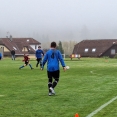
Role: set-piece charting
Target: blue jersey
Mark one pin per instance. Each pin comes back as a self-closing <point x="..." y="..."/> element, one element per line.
<point x="0" y="55"/>
<point x="39" y="53"/>
<point x="52" y="58"/>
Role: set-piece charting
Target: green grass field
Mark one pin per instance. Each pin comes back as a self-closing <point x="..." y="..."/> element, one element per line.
<point x="87" y="85"/>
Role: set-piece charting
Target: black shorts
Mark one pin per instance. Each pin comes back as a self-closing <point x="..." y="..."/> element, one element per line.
<point x="26" y="62"/>
<point x="54" y="74"/>
<point x="39" y="59"/>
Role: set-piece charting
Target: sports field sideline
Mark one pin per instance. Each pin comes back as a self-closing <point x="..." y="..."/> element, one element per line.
<point x="88" y="88"/>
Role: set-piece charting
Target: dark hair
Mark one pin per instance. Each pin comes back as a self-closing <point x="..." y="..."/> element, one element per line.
<point x="53" y="44"/>
<point x="39" y="46"/>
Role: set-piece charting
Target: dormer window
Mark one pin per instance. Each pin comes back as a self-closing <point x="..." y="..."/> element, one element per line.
<point x="86" y="49"/>
<point x="94" y="49"/>
<point x="112" y="51"/>
<point x="14" y="48"/>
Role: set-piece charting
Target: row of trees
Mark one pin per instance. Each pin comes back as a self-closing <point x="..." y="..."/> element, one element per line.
<point x="65" y="47"/>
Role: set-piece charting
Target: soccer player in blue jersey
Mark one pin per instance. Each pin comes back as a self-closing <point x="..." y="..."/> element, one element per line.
<point x="52" y="57"/>
<point x="0" y="56"/>
<point x="38" y="55"/>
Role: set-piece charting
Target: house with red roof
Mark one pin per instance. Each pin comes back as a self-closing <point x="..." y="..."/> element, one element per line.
<point x="20" y="45"/>
<point x="96" y="48"/>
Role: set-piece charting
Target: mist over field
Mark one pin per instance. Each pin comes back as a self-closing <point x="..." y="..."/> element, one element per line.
<point x="64" y="20"/>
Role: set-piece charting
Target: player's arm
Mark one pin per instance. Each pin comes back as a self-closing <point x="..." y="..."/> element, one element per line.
<point x="42" y="53"/>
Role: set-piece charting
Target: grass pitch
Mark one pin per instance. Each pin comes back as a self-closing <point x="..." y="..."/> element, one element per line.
<point x="87" y="85"/>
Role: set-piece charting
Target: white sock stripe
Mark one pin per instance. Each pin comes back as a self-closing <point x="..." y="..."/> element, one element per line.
<point x="56" y="81"/>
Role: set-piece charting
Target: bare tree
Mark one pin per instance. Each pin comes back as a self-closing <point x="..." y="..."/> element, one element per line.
<point x="68" y="46"/>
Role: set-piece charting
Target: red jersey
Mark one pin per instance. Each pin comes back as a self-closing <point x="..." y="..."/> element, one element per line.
<point x="26" y="58"/>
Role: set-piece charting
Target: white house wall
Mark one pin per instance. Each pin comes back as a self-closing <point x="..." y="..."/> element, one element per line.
<point x="35" y="47"/>
<point x="5" y="49"/>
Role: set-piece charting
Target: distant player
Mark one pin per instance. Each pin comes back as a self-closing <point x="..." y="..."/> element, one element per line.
<point x="38" y="55"/>
<point x="0" y="56"/>
<point x="26" y="60"/>
<point x="13" y="54"/>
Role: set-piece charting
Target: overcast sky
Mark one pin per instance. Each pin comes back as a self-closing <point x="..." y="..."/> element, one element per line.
<point x="59" y="19"/>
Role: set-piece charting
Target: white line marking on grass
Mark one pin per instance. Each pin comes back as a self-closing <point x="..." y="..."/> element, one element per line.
<point x="101" y="107"/>
<point x="1" y="95"/>
<point x="95" y="73"/>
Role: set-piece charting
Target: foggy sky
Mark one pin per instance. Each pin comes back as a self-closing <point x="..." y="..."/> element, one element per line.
<point x="62" y="20"/>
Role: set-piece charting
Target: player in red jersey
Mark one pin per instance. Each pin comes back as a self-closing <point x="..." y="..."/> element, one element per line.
<point x="26" y="60"/>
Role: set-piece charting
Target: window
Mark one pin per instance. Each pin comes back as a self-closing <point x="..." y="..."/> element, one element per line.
<point x="112" y="51"/>
<point x="24" y="49"/>
<point x="94" y="49"/>
<point x="86" y="50"/>
<point x="14" y="48"/>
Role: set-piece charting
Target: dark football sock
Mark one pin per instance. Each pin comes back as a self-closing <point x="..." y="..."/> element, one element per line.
<point x="21" y="66"/>
<point x="40" y="63"/>
<point x="55" y="82"/>
<point x="49" y="85"/>
<point x="37" y="65"/>
<point x="30" y="65"/>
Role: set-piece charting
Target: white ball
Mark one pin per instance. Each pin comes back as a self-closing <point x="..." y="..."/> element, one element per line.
<point x="67" y="67"/>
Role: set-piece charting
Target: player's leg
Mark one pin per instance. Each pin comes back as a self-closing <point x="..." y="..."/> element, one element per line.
<point x="30" y="65"/>
<point x="55" y="75"/>
<point x="40" y="61"/>
<point x="37" y="62"/>
<point x="56" y="78"/>
<point x="23" y="66"/>
<point x="49" y="82"/>
<point x="14" y="57"/>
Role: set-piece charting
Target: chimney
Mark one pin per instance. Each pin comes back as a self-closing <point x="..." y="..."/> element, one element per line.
<point x="11" y="37"/>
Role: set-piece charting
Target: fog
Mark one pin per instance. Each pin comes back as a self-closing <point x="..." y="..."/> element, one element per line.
<point x="48" y="20"/>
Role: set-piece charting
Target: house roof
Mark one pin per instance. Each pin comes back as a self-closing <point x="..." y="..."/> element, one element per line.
<point x="100" y="46"/>
<point x="18" y="44"/>
<point x="26" y="40"/>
